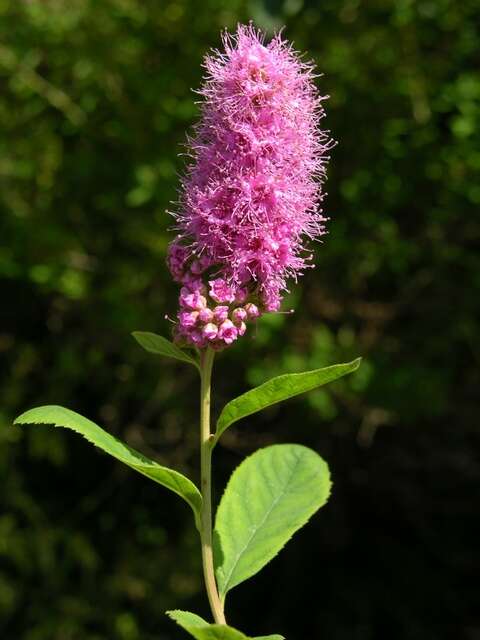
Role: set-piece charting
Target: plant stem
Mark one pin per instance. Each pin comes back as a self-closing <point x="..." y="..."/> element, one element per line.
<point x="206" y="487"/>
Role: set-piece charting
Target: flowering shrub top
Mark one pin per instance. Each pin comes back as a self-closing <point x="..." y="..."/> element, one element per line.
<point x="249" y="198"/>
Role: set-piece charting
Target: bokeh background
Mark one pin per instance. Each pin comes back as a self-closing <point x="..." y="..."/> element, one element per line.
<point x="95" y="99"/>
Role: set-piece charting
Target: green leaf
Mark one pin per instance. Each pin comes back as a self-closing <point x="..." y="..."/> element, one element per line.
<point x="202" y="630"/>
<point x="61" y="417"/>
<point x="269" y="497"/>
<point x="161" y="346"/>
<point x="278" y="389"/>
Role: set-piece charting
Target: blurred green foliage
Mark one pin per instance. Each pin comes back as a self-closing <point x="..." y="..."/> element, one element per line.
<point x="94" y="103"/>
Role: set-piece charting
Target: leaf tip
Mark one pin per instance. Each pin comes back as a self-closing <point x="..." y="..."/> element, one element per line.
<point x="23" y="418"/>
<point x="356" y="363"/>
<point x="37" y="415"/>
<point x="171" y="614"/>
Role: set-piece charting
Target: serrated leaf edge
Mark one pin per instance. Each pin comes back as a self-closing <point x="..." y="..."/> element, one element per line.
<point x="223" y="592"/>
<point x="145" y="462"/>
<point x="171" y="615"/>
<point x="221" y="427"/>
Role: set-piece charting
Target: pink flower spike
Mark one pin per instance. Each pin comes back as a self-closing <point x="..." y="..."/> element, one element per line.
<point x="227" y="332"/>
<point x="250" y="201"/>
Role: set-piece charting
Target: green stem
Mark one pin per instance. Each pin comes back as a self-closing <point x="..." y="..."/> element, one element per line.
<point x="206" y="487"/>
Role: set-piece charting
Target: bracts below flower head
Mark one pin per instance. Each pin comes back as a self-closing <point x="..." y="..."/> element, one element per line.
<point x="252" y="192"/>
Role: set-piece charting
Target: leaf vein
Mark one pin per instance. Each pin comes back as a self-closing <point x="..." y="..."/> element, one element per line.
<point x="261" y="524"/>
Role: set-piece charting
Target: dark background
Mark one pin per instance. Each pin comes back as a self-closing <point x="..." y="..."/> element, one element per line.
<point x="94" y="102"/>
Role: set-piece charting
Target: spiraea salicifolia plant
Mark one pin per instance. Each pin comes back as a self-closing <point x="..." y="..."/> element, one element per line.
<point x="250" y="201"/>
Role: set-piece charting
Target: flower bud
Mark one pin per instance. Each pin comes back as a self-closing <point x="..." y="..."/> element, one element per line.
<point x="239" y="315"/>
<point x="220" y="313"/>
<point x="241" y="328"/>
<point x="205" y="315"/>
<point x="188" y="319"/>
<point x="252" y="311"/>
<point x="210" y="331"/>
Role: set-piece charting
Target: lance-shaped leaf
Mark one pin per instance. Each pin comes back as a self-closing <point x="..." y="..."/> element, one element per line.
<point x="269" y="497"/>
<point x="278" y="389"/>
<point x="159" y="345"/>
<point x="61" y="417"/>
<point x="202" y="630"/>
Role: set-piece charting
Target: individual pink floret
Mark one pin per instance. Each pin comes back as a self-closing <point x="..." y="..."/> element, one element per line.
<point x="227" y="332"/>
<point x="220" y="291"/>
<point x="193" y="300"/>
<point x="188" y="319"/>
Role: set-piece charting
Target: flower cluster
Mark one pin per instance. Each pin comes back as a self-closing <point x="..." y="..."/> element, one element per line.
<point x="252" y="191"/>
<point x="212" y="316"/>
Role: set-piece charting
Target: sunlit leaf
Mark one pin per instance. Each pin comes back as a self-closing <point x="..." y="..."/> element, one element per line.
<point x="159" y="345"/>
<point x="202" y="630"/>
<point x="278" y="389"/>
<point x="173" y="480"/>
<point x="269" y="497"/>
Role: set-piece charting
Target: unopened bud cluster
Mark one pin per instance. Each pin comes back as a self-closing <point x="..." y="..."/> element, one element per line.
<point x="212" y="312"/>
